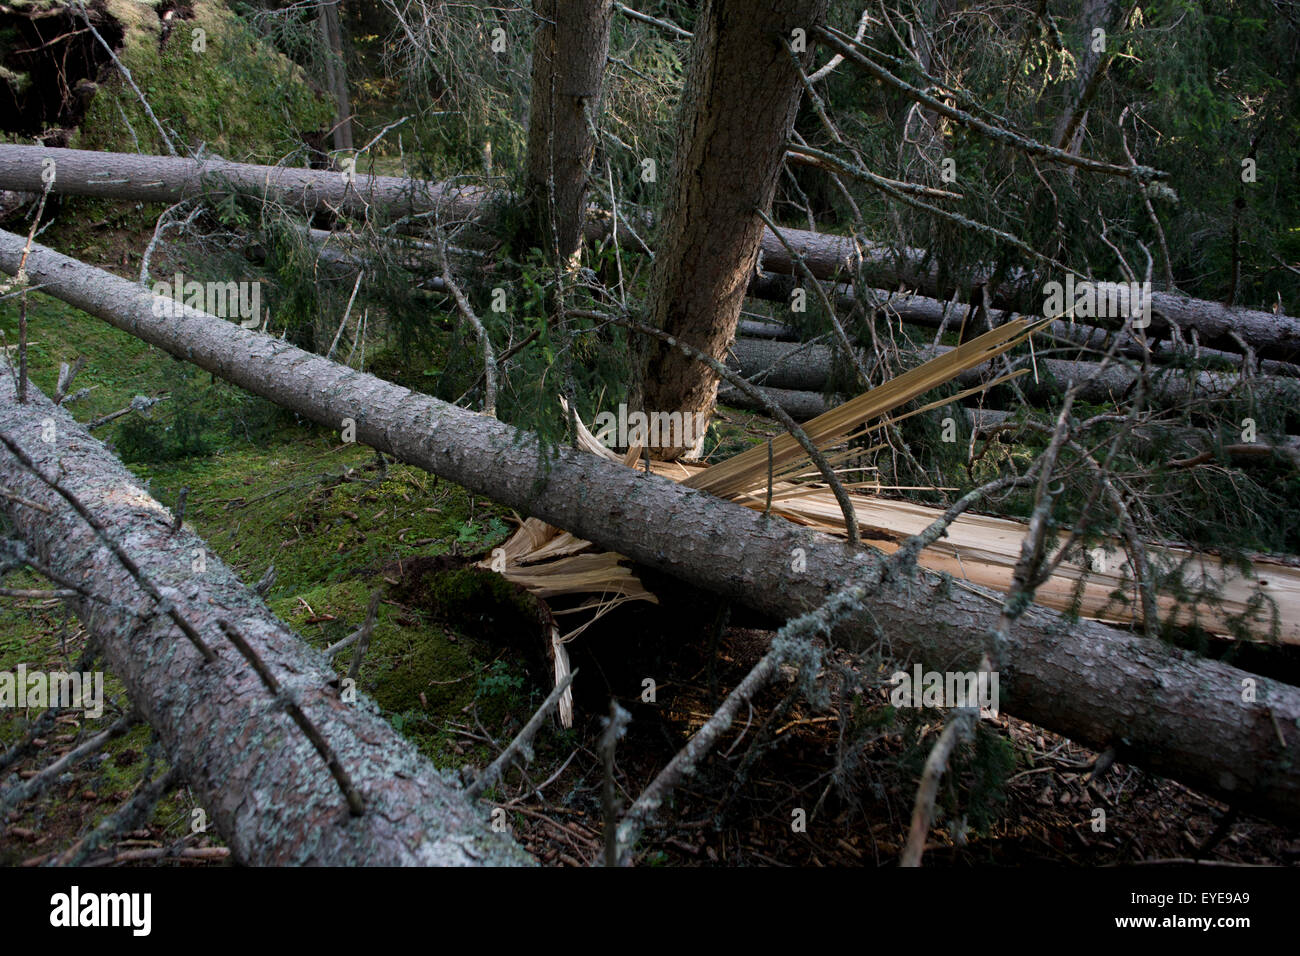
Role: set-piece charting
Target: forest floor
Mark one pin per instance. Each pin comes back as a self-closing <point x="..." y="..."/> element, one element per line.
<point x="459" y="681"/>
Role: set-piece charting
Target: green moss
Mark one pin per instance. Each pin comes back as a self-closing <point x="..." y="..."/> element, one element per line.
<point x="479" y="602"/>
<point x="333" y="521"/>
<point x="239" y="96"/>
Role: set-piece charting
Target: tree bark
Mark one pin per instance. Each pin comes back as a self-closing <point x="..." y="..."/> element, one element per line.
<point x="784" y="365"/>
<point x="738" y="108"/>
<point x="931" y="312"/>
<point x="799" y="404"/>
<point x="168" y="178"/>
<point x="1271" y="335"/>
<point x="1092" y="67"/>
<point x="267" y="789"/>
<point x="336" y="73"/>
<point x="570" y="48"/>
<point x="808" y="368"/>
<point x="1169" y="710"/>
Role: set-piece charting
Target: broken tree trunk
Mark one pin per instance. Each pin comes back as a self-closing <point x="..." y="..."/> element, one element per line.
<point x="269" y="791"/>
<point x="169" y="178"/>
<point x="738" y="108"/>
<point x="954" y="316"/>
<point x="1217" y="326"/>
<point x="1169" y="710"/>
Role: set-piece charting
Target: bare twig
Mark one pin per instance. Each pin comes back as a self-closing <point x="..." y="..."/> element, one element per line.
<point x="522" y="744"/>
<point x="33" y="786"/>
<point x="615" y="726"/>
<point x="126" y="75"/>
<point x="356" y="804"/>
<point x="126" y="560"/>
<point x="849" y="47"/>
<point x="363" y="635"/>
<point x="462" y="303"/>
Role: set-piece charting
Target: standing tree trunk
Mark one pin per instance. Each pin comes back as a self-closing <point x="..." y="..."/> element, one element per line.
<point x="336" y="73"/>
<point x="1097" y="14"/>
<point x="569" y="53"/>
<point x="738" y="109"/>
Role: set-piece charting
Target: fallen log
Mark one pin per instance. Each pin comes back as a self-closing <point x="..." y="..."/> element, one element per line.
<point x="775" y="364"/>
<point x="808" y="368"/>
<point x="931" y="313"/>
<point x="268" y="790"/>
<point x="985" y="549"/>
<point x="1171" y="711"/>
<point x="801" y="405"/>
<point x="169" y="178"/>
<point x="1195" y="442"/>
<point x="1217" y="326"/>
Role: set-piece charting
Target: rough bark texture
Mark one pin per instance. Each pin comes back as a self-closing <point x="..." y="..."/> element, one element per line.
<point x="170" y="178"/>
<point x="1169" y="710"/>
<point x="267" y="789"/>
<point x="166" y="179"/>
<point x="1271" y="335"/>
<point x="738" y="107"/>
<point x="798" y="404"/>
<point x="570" y="48"/>
<point x="336" y="73"/>
<point x="931" y="312"/>
<point x="808" y="367"/>
<point x="781" y="364"/>
<point x="1091" y="68"/>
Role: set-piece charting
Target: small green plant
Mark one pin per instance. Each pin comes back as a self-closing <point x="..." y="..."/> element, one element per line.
<point x="500" y="683"/>
<point x="469" y="532"/>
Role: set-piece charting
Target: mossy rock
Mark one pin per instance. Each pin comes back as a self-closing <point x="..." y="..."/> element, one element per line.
<point x="223" y="87"/>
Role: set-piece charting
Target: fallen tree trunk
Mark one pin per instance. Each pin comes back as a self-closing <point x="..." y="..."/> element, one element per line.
<point x="932" y="313"/>
<point x="805" y="405"/>
<point x="799" y="404"/>
<point x="1171" y="711"/>
<point x="169" y="178"/>
<point x="268" y="790"/>
<point x="1191" y="442"/>
<point x="808" y="368"/>
<point x="1271" y="335"/>
<point x="776" y="364"/>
